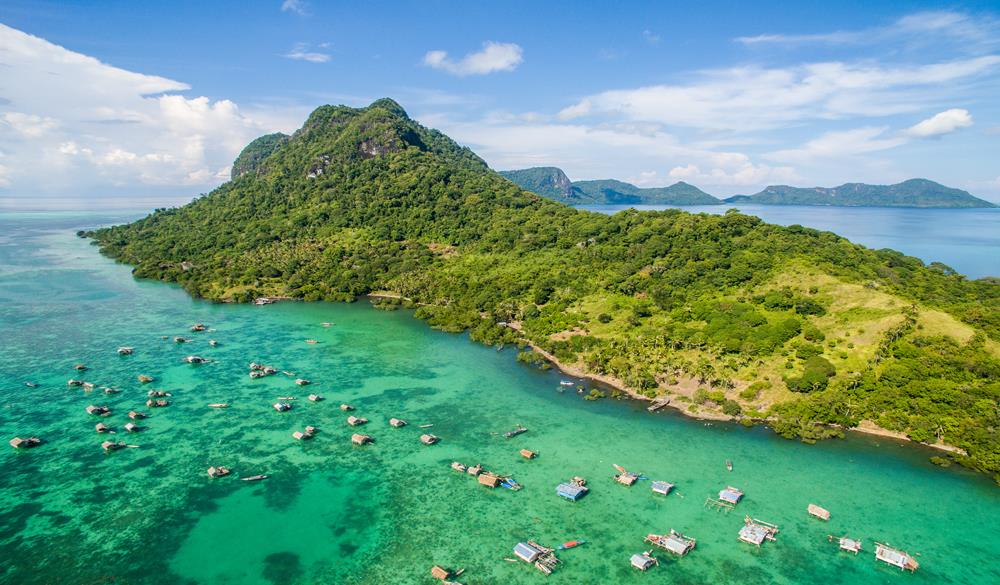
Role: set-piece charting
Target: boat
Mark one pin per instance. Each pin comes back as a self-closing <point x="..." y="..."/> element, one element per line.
<point x="31" y="384"/>
<point x="213" y="343"/>
<point x="325" y="324"/>
<point x="311" y="341"/>
<point x="253" y="478"/>
<point x="729" y="465"/>
<point x="510" y="484"/>
<point x="565" y="383"/>
<point x="570" y="544"/>
<point x="426" y="426"/>
<point x="458" y="466"/>
<point x="198" y="327"/>
<point x="195" y="359"/>
<point x="520" y="429"/>
<point x="302" y="382"/>
<point x="125" y="351"/>
<point x="218" y="405"/>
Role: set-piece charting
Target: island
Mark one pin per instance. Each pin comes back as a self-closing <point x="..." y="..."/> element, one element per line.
<point x="720" y="316"/>
<point x="553" y="183"/>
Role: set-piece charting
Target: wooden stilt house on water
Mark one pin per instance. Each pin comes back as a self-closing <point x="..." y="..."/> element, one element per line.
<point x="675" y="542"/>
<point x="895" y="557"/>
<point x="25" y="443"/>
<point x="821" y="513"/>
<point x="662" y="487"/>
<point x="397" y="422"/>
<point x="571" y="491"/>
<point x="428" y="439"/>
<point x="731" y="495"/>
<point x="488" y="479"/>
<point x="359" y="439"/>
<point x="755" y="531"/>
<point x="644" y="561"/>
<point x="356" y="421"/>
<point x="848" y="544"/>
<point x="543" y="558"/>
<point x="623" y="477"/>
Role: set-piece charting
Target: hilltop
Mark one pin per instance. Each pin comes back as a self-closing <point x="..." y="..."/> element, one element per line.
<point x="553" y="183"/>
<point x="725" y="315"/>
<point x="911" y="193"/>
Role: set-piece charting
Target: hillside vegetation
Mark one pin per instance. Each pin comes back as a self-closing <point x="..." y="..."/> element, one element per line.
<point x="726" y="314"/>
<point x="911" y="193"/>
<point x="553" y="183"/>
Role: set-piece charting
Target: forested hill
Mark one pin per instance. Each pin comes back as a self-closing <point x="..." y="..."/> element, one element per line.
<point x="911" y="193"/>
<point x="723" y="313"/>
<point x="553" y="183"/>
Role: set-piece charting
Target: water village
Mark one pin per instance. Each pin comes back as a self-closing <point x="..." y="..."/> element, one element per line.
<point x="754" y="532"/>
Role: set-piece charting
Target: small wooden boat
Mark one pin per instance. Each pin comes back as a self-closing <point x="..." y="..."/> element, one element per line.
<point x="218" y="405"/>
<point x="565" y="383"/>
<point x="213" y="343"/>
<point x="286" y="398"/>
<point x="426" y="426"/>
<point x="311" y="341"/>
<point x="195" y="359"/>
<point x="729" y="465"/>
<point x="509" y="483"/>
<point x="570" y="544"/>
<point x="253" y="478"/>
<point x="325" y="324"/>
<point x="125" y="351"/>
<point x="520" y="429"/>
<point x="80" y="367"/>
<point x="31" y="384"/>
<point x="73" y="382"/>
<point x="181" y="340"/>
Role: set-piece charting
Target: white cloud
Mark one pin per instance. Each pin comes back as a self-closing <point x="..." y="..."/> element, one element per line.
<point x="301" y="52"/>
<point x="494" y="57"/>
<point x="295" y="6"/>
<point x="604" y="151"/>
<point x="941" y="123"/>
<point x="839" y="144"/>
<point x="754" y="98"/>
<point x="972" y="32"/>
<point x="81" y="126"/>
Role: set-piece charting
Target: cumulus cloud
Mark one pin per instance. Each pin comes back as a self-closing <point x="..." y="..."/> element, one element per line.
<point x="493" y="57"/>
<point x="941" y="123"/>
<point x="755" y="98"/>
<point x="605" y="151"/>
<point x="839" y="144"/>
<point x="72" y="124"/>
<point x="295" y="6"/>
<point x="301" y="52"/>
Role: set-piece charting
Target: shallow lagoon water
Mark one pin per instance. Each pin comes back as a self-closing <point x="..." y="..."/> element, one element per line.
<point x="384" y="513"/>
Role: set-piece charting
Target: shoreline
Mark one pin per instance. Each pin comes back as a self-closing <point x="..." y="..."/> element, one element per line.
<point x="865" y="427"/>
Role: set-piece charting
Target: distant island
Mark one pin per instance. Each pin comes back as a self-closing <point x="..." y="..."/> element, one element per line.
<point x="553" y="183"/>
<point x="719" y="315"/>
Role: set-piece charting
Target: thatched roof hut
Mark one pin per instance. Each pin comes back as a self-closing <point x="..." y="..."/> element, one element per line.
<point x="98" y="410"/>
<point x="359" y="439"/>
<point x="397" y="422"/>
<point x="346" y="407"/>
<point x="528" y="454"/>
<point x="356" y="421"/>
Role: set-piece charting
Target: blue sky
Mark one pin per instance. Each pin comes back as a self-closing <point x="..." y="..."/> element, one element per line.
<point x="141" y="104"/>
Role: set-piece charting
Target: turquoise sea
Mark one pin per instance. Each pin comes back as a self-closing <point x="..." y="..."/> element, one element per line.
<point x="385" y="513"/>
<point x="967" y="240"/>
